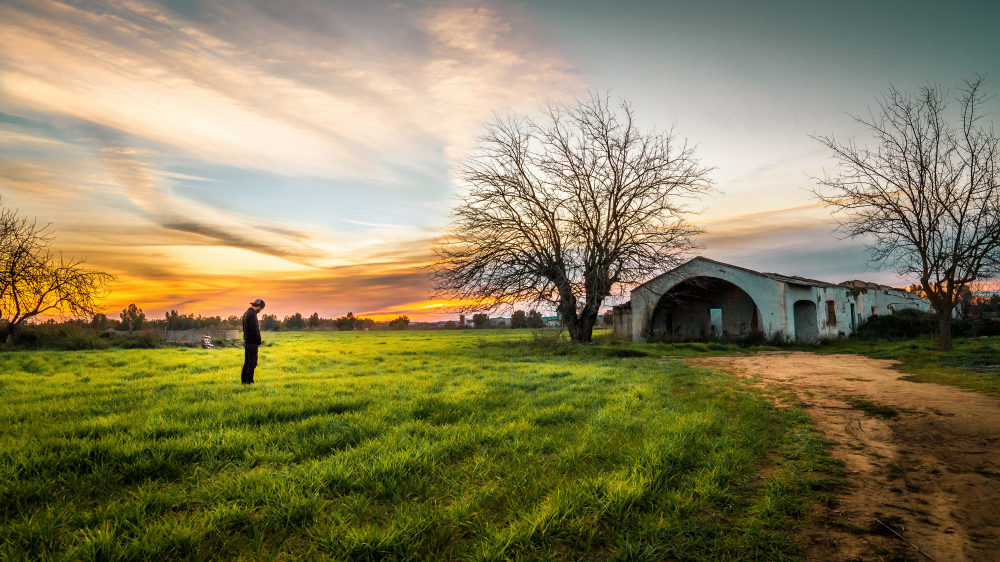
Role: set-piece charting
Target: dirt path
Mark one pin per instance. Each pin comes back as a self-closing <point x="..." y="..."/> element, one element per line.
<point x="931" y="471"/>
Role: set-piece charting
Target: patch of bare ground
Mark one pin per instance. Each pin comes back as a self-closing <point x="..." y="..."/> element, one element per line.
<point x="921" y="461"/>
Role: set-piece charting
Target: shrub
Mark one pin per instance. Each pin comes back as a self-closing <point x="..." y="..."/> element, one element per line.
<point x="144" y="340"/>
<point x="70" y="338"/>
<point x="754" y="339"/>
<point x="903" y="324"/>
<point x="975" y="327"/>
<point x="910" y="324"/>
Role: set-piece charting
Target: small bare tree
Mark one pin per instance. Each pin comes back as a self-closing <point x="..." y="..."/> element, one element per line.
<point x="927" y="195"/>
<point x="565" y="209"/>
<point x="35" y="281"/>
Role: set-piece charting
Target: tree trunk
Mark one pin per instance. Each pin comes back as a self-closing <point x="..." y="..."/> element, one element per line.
<point x="587" y="322"/>
<point x="578" y="333"/>
<point x="573" y="325"/>
<point x="944" y="329"/>
<point x="567" y="311"/>
<point x="581" y="328"/>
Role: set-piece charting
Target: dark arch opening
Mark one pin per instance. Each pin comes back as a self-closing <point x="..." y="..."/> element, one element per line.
<point x="705" y="308"/>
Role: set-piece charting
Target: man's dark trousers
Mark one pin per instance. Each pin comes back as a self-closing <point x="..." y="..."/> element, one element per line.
<point x="249" y="363"/>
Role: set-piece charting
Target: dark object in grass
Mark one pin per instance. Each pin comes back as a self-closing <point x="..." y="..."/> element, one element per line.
<point x="898" y="534"/>
<point x="625" y="352"/>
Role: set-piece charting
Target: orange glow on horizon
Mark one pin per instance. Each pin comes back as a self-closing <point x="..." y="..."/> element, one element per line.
<point x="331" y="296"/>
<point x="421" y="311"/>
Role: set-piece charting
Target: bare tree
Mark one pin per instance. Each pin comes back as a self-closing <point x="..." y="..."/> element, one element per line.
<point x="567" y="208"/>
<point x="927" y="195"/>
<point x="35" y="281"/>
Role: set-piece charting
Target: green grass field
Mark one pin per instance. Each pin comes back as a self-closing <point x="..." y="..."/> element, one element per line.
<point x="974" y="363"/>
<point x="400" y="445"/>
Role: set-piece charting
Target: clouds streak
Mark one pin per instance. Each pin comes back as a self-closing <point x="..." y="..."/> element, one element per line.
<point x="208" y="152"/>
<point x="114" y="109"/>
<point x="221" y="228"/>
<point x="253" y="88"/>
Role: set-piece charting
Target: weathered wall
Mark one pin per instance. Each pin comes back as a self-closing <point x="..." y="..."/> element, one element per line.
<point x="833" y="310"/>
<point x="880" y="301"/>
<point x="764" y="292"/>
<point x="738" y="316"/>
<point x="688" y="314"/>
<point x="622" y="326"/>
<point x="832" y="326"/>
<point x="195" y="335"/>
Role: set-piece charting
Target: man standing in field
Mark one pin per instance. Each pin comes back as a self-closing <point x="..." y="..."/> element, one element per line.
<point x="251" y="340"/>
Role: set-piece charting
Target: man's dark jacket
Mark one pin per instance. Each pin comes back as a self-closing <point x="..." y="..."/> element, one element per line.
<point x="251" y="328"/>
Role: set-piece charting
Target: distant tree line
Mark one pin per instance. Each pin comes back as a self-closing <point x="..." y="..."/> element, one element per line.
<point x="979" y="308"/>
<point x="533" y="319"/>
<point x="293" y="323"/>
<point x="133" y="319"/>
<point x="518" y="319"/>
<point x="346" y="323"/>
<point x="976" y="306"/>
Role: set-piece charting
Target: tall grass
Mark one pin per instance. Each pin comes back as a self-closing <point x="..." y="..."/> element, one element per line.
<point x="453" y="445"/>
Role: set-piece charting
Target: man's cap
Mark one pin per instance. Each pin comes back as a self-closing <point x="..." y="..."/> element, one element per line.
<point x="258" y="302"/>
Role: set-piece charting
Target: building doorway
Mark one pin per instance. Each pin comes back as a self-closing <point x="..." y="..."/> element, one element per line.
<point x="806" y="326"/>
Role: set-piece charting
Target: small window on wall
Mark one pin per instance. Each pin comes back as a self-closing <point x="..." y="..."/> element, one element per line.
<point x="831" y="313"/>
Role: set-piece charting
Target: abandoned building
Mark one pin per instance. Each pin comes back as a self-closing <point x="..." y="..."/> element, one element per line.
<point x="704" y="299"/>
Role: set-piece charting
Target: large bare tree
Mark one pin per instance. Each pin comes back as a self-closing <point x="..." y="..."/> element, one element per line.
<point x="927" y="193"/>
<point x="36" y="281"/>
<point x="566" y="208"/>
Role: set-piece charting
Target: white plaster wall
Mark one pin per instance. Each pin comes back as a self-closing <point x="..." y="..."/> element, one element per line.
<point x="843" y="301"/>
<point x="737" y="314"/>
<point x="880" y="302"/>
<point x="793" y="294"/>
<point x="622" y="323"/>
<point x="775" y="300"/>
<point x="888" y="300"/>
<point x="766" y="293"/>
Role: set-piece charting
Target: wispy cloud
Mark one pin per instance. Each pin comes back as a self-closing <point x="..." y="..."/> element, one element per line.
<point x="338" y="106"/>
<point x="125" y="121"/>
<point x="300" y="150"/>
<point x="368" y="289"/>
<point x="144" y="189"/>
<point x="798" y="240"/>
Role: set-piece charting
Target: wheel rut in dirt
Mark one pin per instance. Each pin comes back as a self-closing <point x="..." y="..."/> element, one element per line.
<point x="921" y="460"/>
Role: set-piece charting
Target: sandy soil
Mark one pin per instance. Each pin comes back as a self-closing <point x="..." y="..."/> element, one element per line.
<point x="932" y="472"/>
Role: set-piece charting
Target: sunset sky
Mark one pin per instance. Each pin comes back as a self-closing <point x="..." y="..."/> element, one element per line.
<point x="303" y="151"/>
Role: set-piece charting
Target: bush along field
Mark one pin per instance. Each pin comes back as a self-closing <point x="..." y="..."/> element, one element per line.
<point x="400" y="445"/>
